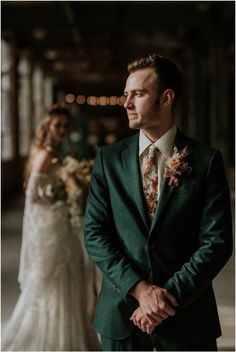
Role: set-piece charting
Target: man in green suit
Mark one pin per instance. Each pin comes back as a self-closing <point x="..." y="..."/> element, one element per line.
<point x="158" y="244"/>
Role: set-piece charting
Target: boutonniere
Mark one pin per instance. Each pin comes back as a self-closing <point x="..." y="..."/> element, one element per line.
<point x="177" y="166"/>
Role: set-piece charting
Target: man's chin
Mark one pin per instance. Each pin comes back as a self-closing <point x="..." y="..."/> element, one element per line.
<point x="134" y="125"/>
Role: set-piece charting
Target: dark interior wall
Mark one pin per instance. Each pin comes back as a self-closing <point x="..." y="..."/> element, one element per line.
<point x="11" y="177"/>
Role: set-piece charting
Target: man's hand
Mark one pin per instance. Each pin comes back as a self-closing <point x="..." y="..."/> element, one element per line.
<point x="154" y="301"/>
<point x="144" y="322"/>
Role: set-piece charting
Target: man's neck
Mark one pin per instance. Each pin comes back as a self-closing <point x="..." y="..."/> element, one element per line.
<point x="155" y="133"/>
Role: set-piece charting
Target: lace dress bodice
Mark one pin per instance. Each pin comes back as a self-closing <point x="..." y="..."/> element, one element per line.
<point x="45" y="243"/>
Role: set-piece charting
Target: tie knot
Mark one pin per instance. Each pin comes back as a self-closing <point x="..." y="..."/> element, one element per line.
<point x="151" y="150"/>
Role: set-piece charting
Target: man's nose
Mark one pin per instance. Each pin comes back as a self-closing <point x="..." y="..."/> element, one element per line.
<point x="128" y="103"/>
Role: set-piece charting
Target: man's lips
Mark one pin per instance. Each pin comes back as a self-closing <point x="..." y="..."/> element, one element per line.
<point x="132" y="115"/>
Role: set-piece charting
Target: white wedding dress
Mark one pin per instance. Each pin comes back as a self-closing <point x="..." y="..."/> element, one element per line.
<point x="57" y="279"/>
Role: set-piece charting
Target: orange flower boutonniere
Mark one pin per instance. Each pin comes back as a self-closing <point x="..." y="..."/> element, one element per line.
<point x="177" y="166"/>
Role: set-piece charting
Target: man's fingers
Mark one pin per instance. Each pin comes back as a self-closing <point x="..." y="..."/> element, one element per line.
<point x="151" y="320"/>
<point x="146" y="321"/>
<point x="163" y="314"/>
<point x="171" y="298"/>
<point x="155" y="318"/>
<point x="150" y="329"/>
<point x="163" y="311"/>
<point x="170" y="311"/>
<point x="147" y="325"/>
<point x="143" y="324"/>
<point x="134" y="315"/>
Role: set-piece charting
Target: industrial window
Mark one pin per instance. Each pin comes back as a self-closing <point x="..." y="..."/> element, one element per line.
<point x="38" y="95"/>
<point x="24" y="105"/>
<point x="6" y="121"/>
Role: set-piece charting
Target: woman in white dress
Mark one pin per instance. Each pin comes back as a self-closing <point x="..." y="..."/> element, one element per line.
<point x="55" y="307"/>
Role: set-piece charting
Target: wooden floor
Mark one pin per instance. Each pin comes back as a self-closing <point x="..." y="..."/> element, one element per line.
<point x="12" y="213"/>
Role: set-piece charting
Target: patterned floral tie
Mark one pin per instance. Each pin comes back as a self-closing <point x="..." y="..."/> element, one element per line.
<point x="150" y="180"/>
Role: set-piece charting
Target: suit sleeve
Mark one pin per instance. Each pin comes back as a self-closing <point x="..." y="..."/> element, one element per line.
<point x="100" y="235"/>
<point x="215" y="238"/>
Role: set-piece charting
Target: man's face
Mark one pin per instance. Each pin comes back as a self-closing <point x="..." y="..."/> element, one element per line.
<point x="142" y="103"/>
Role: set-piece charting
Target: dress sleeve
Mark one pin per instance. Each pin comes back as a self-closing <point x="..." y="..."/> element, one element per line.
<point x="39" y="189"/>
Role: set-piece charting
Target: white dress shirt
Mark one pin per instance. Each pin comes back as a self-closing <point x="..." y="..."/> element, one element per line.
<point x="164" y="144"/>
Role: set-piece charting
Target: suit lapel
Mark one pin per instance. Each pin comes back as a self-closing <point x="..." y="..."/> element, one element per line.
<point x="167" y="191"/>
<point x="130" y="162"/>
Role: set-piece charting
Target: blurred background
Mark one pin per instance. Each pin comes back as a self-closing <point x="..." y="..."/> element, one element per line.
<point x="76" y="52"/>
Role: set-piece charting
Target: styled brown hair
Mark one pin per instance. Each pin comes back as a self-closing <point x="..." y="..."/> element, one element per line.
<point x="41" y="139"/>
<point x="167" y="73"/>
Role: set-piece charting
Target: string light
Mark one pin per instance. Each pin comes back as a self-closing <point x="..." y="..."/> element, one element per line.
<point x="69" y="98"/>
<point x="121" y="100"/>
<point x="92" y="100"/>
<point x="113" y="100"/>
<point x="103" y="101"/>
<point x="80" y="99"/>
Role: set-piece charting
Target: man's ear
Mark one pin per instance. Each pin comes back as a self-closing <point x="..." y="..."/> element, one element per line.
<point x="167" y="97"/>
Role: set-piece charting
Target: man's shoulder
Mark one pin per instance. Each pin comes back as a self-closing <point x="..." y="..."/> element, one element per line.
<point x="198" y="147"/>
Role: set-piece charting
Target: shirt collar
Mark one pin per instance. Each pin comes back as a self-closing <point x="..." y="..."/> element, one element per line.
<point x="164" y="143"/>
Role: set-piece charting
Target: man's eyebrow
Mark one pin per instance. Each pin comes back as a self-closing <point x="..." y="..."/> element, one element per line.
<point x="135" y="90"/>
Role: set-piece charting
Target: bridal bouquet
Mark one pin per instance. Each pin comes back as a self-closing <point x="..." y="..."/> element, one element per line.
<point x="76" y="177"/>
<point x="71" y="188"/>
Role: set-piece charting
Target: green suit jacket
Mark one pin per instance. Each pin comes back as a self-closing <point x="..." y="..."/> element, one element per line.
<point x="185" y="246"/>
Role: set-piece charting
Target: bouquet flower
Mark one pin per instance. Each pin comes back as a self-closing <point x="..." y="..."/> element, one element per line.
<point x="76" y="177"/>
<point x="70" y="188"/>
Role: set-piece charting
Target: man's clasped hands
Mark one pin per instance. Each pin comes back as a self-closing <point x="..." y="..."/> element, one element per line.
<point x="155" y="305"/>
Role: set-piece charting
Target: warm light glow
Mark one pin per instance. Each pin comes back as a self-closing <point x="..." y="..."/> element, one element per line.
<point x="58" y="66"/>
<point x="69" y="98"/>
<point x="112" y="100"/>
<point x="92" y="139"/>
<point x="103" y="101"/>
<point x="110" y="138"/>
<point x="80" y="99"/>
<point x="121" y="100"/>
<point x="51" y="54"/>
<point x="92" y="100"/>
<point x="39" y="33"/>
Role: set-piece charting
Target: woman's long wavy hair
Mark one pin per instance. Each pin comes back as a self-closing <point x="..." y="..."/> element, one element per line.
<point x="42" y="137"/>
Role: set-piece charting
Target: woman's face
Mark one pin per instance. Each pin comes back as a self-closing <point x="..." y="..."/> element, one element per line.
<point x="58" y="128"/>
